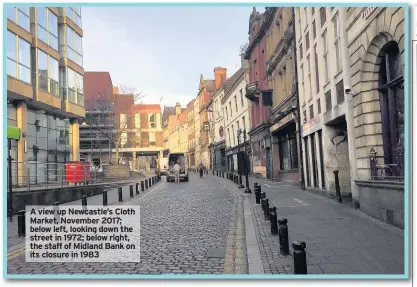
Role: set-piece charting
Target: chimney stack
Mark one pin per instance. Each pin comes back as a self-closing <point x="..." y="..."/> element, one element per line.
<point x="177" y="109"/>
<point x="219" y="76"/>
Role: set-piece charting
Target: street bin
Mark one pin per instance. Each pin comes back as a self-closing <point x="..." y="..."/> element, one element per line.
<point x="77" y="172"/>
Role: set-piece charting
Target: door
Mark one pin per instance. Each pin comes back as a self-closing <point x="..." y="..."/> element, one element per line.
<point x="268" y="163"/>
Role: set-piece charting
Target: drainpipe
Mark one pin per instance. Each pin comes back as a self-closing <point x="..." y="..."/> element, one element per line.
<point x="298" y="111"/>
<point x="349" y="107"/>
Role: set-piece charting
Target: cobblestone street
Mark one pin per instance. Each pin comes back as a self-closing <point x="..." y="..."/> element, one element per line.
<point x="193" y="227"/>
<point x="209" y="226"/>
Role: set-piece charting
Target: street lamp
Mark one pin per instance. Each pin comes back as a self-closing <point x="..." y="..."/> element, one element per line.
<point x="247" y="190"/>
<point x="239" y="132"/>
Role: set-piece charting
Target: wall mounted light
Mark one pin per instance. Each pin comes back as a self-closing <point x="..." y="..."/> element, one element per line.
<point x="25" y="146"/>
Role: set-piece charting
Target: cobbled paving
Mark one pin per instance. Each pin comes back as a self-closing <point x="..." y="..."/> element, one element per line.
<point x="181" y="225"/>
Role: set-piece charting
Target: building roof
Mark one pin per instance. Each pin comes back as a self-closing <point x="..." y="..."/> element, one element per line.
<point x="167" y="112"/>
<point x="232" y="82"/>
<point x="147" y="108"/>
<point x="210" y="85"/>
<point x="190" y="104"/>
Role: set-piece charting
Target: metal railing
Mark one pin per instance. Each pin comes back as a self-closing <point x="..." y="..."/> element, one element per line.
<point x="29" y="175"/>
<point x="394" y="171"/>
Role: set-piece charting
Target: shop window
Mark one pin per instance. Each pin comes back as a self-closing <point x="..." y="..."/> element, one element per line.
<point x="287" y="142"/>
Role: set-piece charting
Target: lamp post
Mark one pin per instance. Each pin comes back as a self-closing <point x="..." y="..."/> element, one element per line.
<point x="239" y="164"/>
<point x="247" y="190"/>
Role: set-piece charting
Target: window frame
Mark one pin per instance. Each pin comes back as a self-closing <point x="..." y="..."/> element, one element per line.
<point x="78" y="57"/>
<point x="17" y="61"/>
<point x="17" y="15"/>
<point x="337" y="44"/>
<point x="50" y="80"/>
<point x="47" y="30"/>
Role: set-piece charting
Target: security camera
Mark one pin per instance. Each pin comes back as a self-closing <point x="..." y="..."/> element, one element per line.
<point x="347" y="90"/>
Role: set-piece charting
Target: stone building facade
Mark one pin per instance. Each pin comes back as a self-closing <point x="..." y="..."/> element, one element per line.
<point x="352" y="101"/>
<point x="282" y="95"/>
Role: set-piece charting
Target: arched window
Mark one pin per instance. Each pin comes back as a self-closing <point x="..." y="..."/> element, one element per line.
<point x="391" y="88"/>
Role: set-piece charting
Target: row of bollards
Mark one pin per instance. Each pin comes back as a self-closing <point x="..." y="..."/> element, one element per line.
<point x="279" y="226"/>
<point x="21" y="215"/>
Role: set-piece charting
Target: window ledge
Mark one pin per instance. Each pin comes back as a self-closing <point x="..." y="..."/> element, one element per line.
<point x="338" y="73"/>
<point x="384" y="184"/>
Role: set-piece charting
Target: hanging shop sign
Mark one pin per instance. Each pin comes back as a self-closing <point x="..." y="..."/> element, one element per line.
<point x="13" y="133"/>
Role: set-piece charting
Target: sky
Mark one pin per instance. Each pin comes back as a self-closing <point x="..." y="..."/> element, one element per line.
<point x="162" y="51"/>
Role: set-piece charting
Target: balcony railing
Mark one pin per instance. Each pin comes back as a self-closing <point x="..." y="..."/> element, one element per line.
<point x="252" y="91"/>
<point x="394" y="171"/>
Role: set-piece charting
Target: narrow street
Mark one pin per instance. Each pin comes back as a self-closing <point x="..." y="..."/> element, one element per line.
<point x="202" y="227"/>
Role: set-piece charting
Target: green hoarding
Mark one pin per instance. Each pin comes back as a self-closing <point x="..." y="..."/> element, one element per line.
<point x="13" y="133"/>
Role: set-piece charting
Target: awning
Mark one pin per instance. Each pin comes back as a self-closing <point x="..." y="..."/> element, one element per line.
<point x="13" y="133"/>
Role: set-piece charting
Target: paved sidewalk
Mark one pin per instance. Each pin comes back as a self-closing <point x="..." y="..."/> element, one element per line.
<point x="340" y="239"/>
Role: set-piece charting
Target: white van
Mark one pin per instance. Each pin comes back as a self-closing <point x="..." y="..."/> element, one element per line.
<point x="181" y="159"/>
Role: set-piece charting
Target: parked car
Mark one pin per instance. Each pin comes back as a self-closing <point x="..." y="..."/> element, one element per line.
<point x="181" y="159"/>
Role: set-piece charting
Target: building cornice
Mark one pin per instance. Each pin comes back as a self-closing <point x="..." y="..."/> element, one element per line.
<point x="268" y="16"/>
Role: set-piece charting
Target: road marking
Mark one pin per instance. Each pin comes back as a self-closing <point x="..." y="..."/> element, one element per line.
<point x="15" y="253"/>
<point x="301" y="202"/>
<point x="269" y="185"/>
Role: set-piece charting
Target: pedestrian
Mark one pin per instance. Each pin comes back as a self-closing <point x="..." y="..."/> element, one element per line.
<point x="177" y="172"/>
<point x="200" y="167"/>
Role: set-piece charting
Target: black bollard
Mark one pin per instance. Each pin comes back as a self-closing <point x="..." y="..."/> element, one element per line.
<point x="299" y="254"/>
<point x="56" y="209"/>
<point x="263" y="194"/>
<point x="257" y="194"/>
<point x="273" y="219"/>
<point x="270" y="210"/>
<point x="131" y="190"/>
<point x="21" y="223"/>
<point x="263" y="200"/>
<point x="266" y="209"/>
<point x="337" y="185"/>
<point x="105" y="198"/>
<point x="150" y="182"/>
<point x="153" y="180"/>
<point x="84" y="200"/>
<point x="137" y="188"/>
<point x="146" y="183"/>
<point x="142" y="186"/>
<point x="120" y="194"/>
<point x="283" y="236"/>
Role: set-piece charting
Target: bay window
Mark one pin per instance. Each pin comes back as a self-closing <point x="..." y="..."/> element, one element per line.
<point x="18" y="57"/>
<point x="47" y="27"/>
<point x="20" y="16"/>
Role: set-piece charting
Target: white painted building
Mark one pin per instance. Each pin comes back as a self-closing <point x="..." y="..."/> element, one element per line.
<point x="235" y="116"/>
